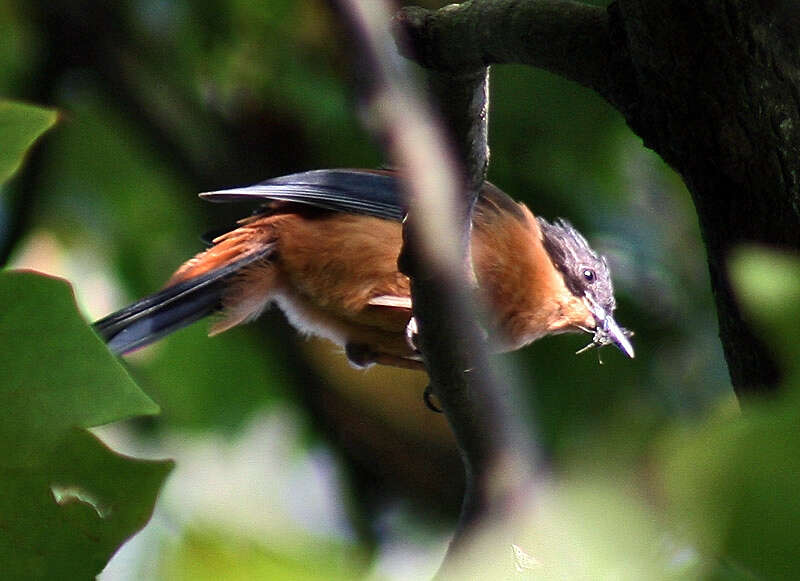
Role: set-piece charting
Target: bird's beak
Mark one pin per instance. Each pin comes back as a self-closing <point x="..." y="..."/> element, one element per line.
<point x="607" y="331"/>
<point x="617" y="335"/>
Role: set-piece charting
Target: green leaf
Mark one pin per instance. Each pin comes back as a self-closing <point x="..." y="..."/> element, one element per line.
<point x="68" y="516"/>
<point x="58" y="374"/>
<point x="20" y="126"/>
<point x="68" y="502"/>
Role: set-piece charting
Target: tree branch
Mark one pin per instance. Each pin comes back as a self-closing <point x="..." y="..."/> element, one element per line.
<point x="478" y="401"/>
<point x="566" y="38"/>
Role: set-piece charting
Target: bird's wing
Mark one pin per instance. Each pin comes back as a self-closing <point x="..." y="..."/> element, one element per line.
<point x="355" y="191"/>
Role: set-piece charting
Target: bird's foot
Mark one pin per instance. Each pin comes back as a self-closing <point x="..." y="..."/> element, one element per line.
<point x="427" y="396"/>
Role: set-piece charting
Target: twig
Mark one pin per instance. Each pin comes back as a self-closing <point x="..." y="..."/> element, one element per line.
<point x="493" y="440"/>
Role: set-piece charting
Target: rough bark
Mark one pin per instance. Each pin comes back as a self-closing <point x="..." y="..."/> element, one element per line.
<point x="712" y="86"/>
<point x="718" y="100"/>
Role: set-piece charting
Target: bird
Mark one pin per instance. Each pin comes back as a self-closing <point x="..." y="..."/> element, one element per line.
<point x="323" y="246"/>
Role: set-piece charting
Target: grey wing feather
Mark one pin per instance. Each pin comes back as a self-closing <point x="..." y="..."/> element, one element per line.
<point x="341" y="190"/>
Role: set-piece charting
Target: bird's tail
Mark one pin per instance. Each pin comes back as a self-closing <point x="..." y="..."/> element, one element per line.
<point x="181" y="304"/>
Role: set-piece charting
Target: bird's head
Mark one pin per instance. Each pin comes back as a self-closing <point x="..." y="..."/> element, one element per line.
<point x="588" y="278"/>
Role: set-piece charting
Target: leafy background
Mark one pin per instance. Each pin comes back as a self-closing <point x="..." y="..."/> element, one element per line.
<point x="288" y="463"/>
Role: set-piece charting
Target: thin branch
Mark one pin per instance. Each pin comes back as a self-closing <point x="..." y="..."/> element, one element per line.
<point x="567" y="38"/>
<point x="479" y="405"/>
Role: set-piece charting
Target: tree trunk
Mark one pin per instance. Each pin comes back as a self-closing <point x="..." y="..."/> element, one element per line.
<point x="716" y="94"/>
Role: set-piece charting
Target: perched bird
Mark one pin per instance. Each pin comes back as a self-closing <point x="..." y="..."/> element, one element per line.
<point x="323" y="247"/>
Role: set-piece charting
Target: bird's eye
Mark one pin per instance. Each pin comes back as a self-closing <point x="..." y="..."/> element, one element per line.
<point x="588" y="275"/>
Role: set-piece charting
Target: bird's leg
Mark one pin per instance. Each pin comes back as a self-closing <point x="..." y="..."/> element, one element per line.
<point x="426" y="397"/>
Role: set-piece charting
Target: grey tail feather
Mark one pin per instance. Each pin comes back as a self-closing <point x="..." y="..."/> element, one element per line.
<point x="156" y="316"/>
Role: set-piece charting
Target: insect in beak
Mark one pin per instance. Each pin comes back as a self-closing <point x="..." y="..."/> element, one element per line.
<point x="607" y="333"/>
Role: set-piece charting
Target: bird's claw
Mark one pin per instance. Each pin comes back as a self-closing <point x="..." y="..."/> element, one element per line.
<point x="426" y="397"/>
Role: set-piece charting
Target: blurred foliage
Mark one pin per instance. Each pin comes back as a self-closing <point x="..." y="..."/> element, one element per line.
<point x="202" y="385"/>
<point x="160" y="100"/>
<point x="20" y="125"/>
<point x="68" y="502"/>
<point x="732" y="482"/>
<point x="206" y="556"/>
